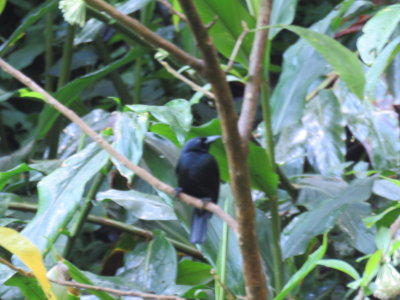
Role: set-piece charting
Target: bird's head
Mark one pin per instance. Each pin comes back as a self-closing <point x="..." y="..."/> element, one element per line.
<point x="200" y="144"/>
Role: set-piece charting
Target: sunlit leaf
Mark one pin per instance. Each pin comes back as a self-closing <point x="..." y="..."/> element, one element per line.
<point x="29" y="254"/>
<point x="377" y="31"/>
<point x="340" y="265"/>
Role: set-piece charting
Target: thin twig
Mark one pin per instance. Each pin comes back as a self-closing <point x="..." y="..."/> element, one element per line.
<point x="15" y="268"/>
<point x="142" y="173"/>
<point x="172" y="10"/>
<point x="236" y="49"/>
<point x="114" y="291"/>
<point x="328" y="81"/>
<point x="252" y="89"/>
<point x="190" y="83"/>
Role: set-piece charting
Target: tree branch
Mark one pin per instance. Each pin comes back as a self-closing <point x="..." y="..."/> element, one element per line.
<point x="252" y="89"/>
<point x="255" y="280"/>
<point x="147" y="35"/>
<point x="142" y="173"/>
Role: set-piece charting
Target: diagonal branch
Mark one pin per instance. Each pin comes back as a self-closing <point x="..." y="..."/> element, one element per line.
<point x="255" y="280"/>
<point x="146" y="34"/>
<point x="142" y="173"/>
<point x="252" y="89"/>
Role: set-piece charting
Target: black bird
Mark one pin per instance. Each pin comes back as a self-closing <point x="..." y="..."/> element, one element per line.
<point x="198" y="176"/>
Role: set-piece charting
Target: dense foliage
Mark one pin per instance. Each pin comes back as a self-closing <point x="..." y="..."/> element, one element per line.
<point x="331" y="84"/>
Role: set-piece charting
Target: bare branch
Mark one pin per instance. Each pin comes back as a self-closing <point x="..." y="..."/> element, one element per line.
<point x="190" y="83"/>
<point x="255" y="280"/>
<point x="252" y="89"/>
<point x="114" y="291"/>
<point x="236" y="49"/>
<point x="149" y="36"/>
<point x="142" y="173"/>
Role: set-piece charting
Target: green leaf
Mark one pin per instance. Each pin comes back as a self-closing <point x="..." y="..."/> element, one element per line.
<point x="283" y="13"/>
<point x="28" y="286"/>
<point x="302" y="66"/>
<point x="80" y="277"/>
<point x="71" y="92"/>
<point x="30" y="19"/>
<point x="324" y="123"/>
<point x="193" y="273"/>
<point x="129" y="132"/>
<point x="341" y="266"/>
<point x="376" y="128"/>
<point x="381" y="62"/>
<point x="2" y="5"/>
<point x="308" y="266"/>
<point x="371" y="268"/>
<point x="151" y="265"/>
<point x="176" y="113"/>
<point x="371" y="220"/>
<point x="357" y="234"/>
<point x="6" y="176"/>
<point x="342" y="60"/>
<point x="60" y="194"/>
<point x="142" y="206"/>
<point x="225" y="32"/>
<point x="377" y="32"/>
<point x="322" y="217"/>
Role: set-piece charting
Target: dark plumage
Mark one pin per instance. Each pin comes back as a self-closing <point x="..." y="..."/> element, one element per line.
<point x="198" y="176"/>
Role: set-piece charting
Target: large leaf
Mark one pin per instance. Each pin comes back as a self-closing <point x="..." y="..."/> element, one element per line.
<point x="151" y="265"/>
<point x="322" y="217"/>
<point x="375" y="127"/>
<point x="71" y="92"/>
<point x="377" y="32"/>
<point x="302" y="65"/>
<point x="176" y="113"/>
<point x="325" y="142"/>
<point x="142" y="206"/>
<point x="229" y="15"/>
<point x="282" y="13"/>
<point x="129" y="132"/>
<point x="342" y="60"/>
<point x="382" y="60"/>
<point x="60" y="194"/>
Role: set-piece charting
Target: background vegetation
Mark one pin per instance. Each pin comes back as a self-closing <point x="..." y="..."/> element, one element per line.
<point x="327" y="117"/>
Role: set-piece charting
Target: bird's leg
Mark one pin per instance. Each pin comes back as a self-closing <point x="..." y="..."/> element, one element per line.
<point x="205" y="201"/>
<point x="177" y="191"/>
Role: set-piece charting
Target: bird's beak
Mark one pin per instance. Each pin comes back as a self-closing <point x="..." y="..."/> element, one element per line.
<point x="212" y="138"/>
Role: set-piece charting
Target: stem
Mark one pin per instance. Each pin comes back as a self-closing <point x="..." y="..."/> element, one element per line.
<point x="53" y="136"/>
<point x="104" y="55"/>
<point x="87" y="206"/>
<point x="65" y="72"/>
<point x="273" y="196"/>
<point x="137" y="85"/>
<point x="117" y="225"/>
<point x="49" y="58"/>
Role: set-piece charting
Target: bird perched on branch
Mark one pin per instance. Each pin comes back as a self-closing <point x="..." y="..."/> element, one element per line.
<point x="198" y="176"/>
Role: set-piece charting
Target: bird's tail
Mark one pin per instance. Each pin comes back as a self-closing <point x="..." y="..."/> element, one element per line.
<point x="199" y="226"/>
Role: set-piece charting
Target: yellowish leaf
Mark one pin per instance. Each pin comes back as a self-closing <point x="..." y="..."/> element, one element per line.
<point x="29" y="254"/>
